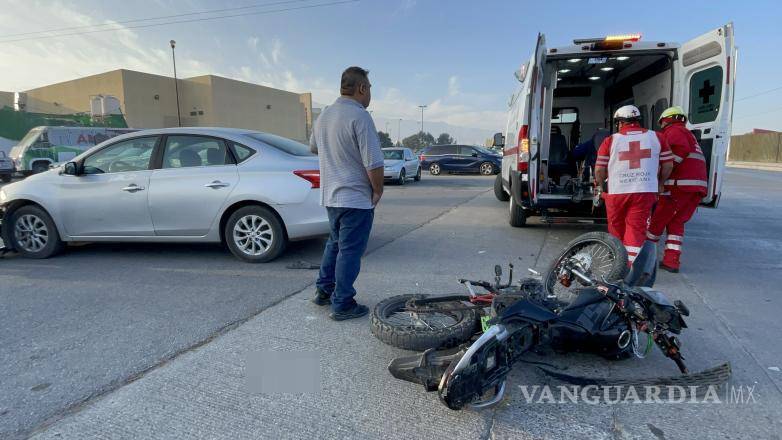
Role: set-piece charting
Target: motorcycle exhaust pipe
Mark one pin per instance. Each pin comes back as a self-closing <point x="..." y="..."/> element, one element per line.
<point x="624" y="339"/>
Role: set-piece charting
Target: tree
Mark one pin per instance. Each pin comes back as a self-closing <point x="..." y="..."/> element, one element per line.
<point x="385" y="140"/>
<point x="444" y="139"/>
<point x="418" y="141"/>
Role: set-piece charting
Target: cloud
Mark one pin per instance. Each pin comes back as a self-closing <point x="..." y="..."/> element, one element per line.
<point x="453" y="86"/>
<point x="276" y="51"/>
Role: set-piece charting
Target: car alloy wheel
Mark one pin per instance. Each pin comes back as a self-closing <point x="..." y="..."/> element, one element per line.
<point x="487" y="169"/>
<point x="253" y="235"/>
<point x="31" y="233"/>
<point x="434" y="169"/>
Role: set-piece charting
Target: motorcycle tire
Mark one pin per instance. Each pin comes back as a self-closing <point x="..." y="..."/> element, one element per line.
<point x="599" y="244"/>
<point x="388" y="323"/>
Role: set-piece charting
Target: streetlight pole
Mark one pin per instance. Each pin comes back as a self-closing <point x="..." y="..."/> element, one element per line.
<point x="421" y="143"/>
<point x="398" y="130"/>
<point x="176" y="84"/>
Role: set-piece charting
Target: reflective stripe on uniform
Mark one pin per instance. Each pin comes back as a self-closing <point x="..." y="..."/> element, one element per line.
<point x="677" y="159"/>
<point x="687" y="182"/>
<point x="696" y="156"/>
<point x="678" y="238"/>
<point x="651" y="236"/>
<point x="673" y="247"/>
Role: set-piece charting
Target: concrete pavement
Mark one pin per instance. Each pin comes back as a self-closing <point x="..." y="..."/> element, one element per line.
<point x="729" y="282"/>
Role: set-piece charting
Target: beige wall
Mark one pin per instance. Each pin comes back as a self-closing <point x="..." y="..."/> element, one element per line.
<point x="756" y="147"/>
<point x="149" y="101"/>
<point x="74" y="96"/>
<point x="6" y="99"/>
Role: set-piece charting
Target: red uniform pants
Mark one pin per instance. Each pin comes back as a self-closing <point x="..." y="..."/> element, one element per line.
<point x="671" y="213"/>
<point x="628" y="219"/>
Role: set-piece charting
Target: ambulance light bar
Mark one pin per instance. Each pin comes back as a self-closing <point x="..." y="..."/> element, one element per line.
<point x="614" y="38"/>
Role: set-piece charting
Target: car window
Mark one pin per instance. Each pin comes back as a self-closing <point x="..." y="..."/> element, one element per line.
<point x="242" y="152"/>
<point x="392" y="154"/>
<point x="440" y="150"/>
<point x="184" y="151"/>
<point x="466" y="151"/>
<point x="124" y="156"/>
<point x="283" y="144"/>
<point x="408" y="155"/>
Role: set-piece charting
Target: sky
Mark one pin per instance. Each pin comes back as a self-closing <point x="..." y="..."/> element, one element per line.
<point x="457" y="57"/>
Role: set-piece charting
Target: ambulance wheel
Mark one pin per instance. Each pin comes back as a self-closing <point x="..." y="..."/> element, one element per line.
<point x="499" y="192"/>
<point x="517" y="216"/>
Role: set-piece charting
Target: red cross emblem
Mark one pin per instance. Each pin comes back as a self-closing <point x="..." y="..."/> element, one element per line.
<point x="635" y="154"/>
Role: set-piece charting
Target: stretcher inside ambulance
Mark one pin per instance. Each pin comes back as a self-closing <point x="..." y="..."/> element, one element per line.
<point x="565" y="104"/>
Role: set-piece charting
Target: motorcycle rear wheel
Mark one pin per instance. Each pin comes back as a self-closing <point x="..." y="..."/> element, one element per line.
<point x="438" y="326"/>
<point x="608" y="259"/>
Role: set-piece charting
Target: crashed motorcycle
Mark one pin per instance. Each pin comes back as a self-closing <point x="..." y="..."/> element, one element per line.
<point x="587" y="301"/>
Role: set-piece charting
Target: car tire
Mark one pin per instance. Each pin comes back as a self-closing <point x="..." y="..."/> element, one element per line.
<point x="486" y="169"/>
<point x="254" y="234"/>
<point x="517" y="216"/>
<point x="40" y="167"/>
<point x="434" y="169"/>
<point x="417" y="177"/>
<point x="6" y="178"/>
<point x="499" y="192"/>
<point x="402" y="177"/>
<point x="33" y="233"/>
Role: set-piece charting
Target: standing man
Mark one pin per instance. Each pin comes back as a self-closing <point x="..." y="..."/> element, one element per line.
<point x="684" y="190"/>
<point x="351" y="171"/>
<point x="632" y="160"/>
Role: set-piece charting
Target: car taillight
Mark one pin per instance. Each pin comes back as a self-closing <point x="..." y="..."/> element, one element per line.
<point x="421" y="158"/>
<point x="312" y="176"/>
<point x="523" y="143"/>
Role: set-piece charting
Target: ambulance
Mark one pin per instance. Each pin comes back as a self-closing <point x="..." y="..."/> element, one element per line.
<point x="568" y="95"/>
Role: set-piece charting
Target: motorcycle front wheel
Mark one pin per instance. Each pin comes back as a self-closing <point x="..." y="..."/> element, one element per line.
<point x="436" y="325"/>
<point x="604" y="254"/>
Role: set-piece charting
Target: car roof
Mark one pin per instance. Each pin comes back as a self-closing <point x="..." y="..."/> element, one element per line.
<point x="197" y="130"/>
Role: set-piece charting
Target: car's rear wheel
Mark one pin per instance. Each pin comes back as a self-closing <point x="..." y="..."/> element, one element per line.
<point x="417" y="177"/>
<point x="6" y="178"/>
<point x="402" y="177"/>
<point x="33" y="233"/>
<point x="254" y="234"/>
<point x="434" y="169"/>
<point x="487" y="168"/>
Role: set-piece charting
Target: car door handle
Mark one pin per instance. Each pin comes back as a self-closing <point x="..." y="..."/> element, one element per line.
<point x="216" y="184"/>
<point x="133" y="188"/>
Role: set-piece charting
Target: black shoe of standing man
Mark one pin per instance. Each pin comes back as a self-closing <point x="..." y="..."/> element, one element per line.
<point x="356" y="312"/>
<point x="322" y="298"/>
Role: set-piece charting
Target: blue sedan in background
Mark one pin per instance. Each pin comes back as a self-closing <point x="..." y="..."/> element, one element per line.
<point x="460" y="159"/>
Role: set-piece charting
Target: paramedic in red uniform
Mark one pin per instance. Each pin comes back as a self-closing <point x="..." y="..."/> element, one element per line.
<point x="632" y="160"/>
<point x="684" y="189"/>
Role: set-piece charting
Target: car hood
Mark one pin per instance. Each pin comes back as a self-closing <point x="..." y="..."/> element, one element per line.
<point x="392" y="162"/>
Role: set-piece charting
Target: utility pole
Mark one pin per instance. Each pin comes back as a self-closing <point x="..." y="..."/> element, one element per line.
<point x="176" y="84"/>
<point x="398" y="130"/>
<point x="421" y="136"/>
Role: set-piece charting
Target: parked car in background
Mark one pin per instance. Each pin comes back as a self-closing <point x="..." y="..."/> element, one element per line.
<point x="7" y="168"/>
<point x="460" y="159"/>
<point x="44" y="146"/>
<point x="252" y="191"/>
<point x="400" y="164"/>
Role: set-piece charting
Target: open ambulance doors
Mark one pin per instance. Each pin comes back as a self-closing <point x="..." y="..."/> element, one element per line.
<point x="704" y="85"/>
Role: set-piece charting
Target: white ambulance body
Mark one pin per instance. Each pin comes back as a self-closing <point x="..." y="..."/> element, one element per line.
<point x="568" y="93"/>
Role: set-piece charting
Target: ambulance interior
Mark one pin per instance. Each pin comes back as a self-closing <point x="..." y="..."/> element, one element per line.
<point x="581" y="97"/>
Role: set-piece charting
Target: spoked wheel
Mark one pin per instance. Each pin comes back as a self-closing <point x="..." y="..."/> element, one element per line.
<point x="434" y="169"/>
<point x="602" y="255"/>
<point x="487" y="169"/>
<point x="435" y="325"/>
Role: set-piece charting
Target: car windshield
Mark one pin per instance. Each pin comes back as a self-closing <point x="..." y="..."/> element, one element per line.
<point x="30" y="137"/>
<point x="484" y="150"/>
<point x="392" y="154"/>
<point x="284" y="144"/>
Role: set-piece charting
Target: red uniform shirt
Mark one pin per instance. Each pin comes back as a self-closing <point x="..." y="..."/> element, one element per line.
<point x="689" y="168"/>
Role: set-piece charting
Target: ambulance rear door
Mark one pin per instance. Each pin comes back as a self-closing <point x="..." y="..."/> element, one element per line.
<point x="534" y="116"/>
<point x="705" y="80"/>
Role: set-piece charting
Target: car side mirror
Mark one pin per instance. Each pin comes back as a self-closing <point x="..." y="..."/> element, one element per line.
<point x="499" y="140"/>
<point x="70" y="169"/>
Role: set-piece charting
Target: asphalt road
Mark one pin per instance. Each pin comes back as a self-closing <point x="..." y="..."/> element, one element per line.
<point x="138" y="341"/>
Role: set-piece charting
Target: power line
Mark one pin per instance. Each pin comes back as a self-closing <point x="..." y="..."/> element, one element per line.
<point x="760" y="93"/>
<point x="136" y="20"/>
<point x="183" y="21"/>
<point x="773" y="110"/>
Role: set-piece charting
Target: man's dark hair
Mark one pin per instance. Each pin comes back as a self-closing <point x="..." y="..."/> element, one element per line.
<point x="352" y="78"/>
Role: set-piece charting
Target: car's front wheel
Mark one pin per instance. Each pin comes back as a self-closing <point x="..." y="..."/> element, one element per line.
<point x="487" y="168"/>
<point x="417" y="177"/>
<point x="33" y="233"/>
<point x="434" y="169"/>
<point x="402" y="177"/>
<point x="6" y="178"/>
<point x="254" y="234"/>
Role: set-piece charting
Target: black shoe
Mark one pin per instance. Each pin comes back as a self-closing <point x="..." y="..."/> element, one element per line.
<point x="356" y="312"/>
<point x="668" y="268"/>
<point x="322" y="298"/>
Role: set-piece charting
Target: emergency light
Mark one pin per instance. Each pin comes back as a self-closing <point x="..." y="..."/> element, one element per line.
<point x="609" y="38"/>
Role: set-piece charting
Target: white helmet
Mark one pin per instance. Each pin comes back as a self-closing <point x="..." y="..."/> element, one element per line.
<point x="627" y="113"/>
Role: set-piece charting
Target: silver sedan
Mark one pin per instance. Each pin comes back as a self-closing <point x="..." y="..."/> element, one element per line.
<point x="253" y="191"/>
<point x="400" y="164"/>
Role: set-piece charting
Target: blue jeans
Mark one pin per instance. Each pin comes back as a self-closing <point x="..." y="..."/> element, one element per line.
<point x="342" y="256"/>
